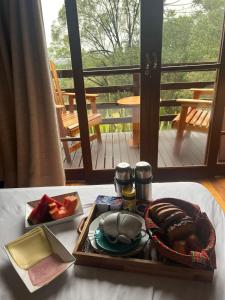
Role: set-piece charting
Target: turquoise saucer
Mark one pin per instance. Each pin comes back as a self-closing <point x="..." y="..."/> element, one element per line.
<point x="118" y="248"/>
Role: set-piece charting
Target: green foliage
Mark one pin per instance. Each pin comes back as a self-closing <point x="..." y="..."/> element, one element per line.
<point x="59" y="48"/>
<point x="109" y="31"/>
<point x="209" y="5"/>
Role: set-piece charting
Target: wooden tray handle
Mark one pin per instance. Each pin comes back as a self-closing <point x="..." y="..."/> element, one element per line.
<point x="81" y="225"/>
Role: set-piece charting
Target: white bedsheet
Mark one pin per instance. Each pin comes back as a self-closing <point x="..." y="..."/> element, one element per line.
<point x="86" y="283"/>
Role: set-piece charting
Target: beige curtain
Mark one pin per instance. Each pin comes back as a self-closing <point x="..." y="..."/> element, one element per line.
<point x="222" y="143"/>
<point x="29" y="142"/>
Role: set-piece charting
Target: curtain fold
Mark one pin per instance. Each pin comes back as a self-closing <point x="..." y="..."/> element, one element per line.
<point x="221" y="157"/>
<point x="30" y="149"/>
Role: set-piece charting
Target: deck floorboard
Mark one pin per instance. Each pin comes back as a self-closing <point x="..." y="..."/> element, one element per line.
<point x="115" y="148"/>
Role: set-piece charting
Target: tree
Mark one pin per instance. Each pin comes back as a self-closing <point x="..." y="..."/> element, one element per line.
<point x="109" y="31"/>
<point x="59" y="47"/>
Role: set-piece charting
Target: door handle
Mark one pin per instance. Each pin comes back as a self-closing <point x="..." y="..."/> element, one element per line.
<point x="151" y="64"/>
<point x="148" y="65"/>
<point x="155" y="60"/>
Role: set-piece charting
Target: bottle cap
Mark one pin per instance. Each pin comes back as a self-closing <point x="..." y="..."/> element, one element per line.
<point x="123" y="171"/>
<point x="143" y="170"/>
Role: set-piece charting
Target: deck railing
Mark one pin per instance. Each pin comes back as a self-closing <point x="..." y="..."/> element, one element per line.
<point x="135" y="87"/>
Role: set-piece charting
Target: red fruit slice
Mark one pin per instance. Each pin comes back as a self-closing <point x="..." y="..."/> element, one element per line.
<point x="47" y="199"/>
<point x="40" y="213"/>
<point x="66" y="210"/>
<point x="59" y="204"/>
<point x="59" y="213"/>
<point x="52" y="200"/>
<point x="70" y="203"/>
<point x="52" y="205"/>
<point x="49" y="208"/>
<point x="53" y="212"/>
<point x="62" y="213"/>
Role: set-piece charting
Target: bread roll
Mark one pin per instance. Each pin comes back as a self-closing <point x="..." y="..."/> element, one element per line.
<point x="180" y="246"/>
<point x="181" y="230"/>
<point x="154" y="207"/>
<point x="172" y="219"/>
<point x="164" y="213"/>
<point x="157" y="210"/>
<point x="194" y="243"/>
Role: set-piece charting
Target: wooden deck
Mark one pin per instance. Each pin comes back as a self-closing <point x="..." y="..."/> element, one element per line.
<point x="115" y="148"/>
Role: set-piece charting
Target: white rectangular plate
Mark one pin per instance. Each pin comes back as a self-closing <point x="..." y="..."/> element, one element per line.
<point x="30" y="205"/>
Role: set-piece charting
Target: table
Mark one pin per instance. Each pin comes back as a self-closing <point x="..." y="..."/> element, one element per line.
<point x="80" y="282"/>
<point x="134" y="102"/>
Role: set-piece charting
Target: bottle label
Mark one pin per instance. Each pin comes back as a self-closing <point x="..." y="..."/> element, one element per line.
<point x="129" y="205"/>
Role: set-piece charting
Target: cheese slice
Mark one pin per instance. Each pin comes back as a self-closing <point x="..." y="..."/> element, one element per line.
<point x="30" y="248"/>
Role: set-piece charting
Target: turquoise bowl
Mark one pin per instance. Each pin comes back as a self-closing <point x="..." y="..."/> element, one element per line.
<point x="116" y="249"/>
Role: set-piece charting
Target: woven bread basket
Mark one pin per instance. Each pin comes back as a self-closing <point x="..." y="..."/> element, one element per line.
<point x="205" y="259"/>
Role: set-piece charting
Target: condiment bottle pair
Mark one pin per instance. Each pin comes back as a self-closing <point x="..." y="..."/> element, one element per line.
<point x="142" y="177"/>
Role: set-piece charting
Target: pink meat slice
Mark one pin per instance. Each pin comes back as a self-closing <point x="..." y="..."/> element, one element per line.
<point x="46" y="269"/>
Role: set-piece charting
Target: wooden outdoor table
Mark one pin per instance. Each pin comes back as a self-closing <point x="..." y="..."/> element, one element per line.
<point x="134" y="102"/>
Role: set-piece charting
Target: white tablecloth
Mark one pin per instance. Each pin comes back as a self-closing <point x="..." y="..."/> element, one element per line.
<point x="86" y="283"/>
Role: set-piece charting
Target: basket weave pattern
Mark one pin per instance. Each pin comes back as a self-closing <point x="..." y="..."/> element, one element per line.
<point x="205" y="259"/>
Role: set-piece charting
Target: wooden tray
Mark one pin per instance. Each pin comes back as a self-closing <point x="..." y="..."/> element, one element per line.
<point x="133" y="264"/>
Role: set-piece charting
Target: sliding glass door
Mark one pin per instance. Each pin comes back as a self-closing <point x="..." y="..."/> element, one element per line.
<point x="182" y="88"/>
<point x="192" y="44"/>
<point x="152" y="68"/>
<point x="110" y="47"/>
<point x="190" y="57"/>
<point x="105" y="51"/>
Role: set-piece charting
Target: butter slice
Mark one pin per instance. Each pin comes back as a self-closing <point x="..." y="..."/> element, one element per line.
<point x="30" y="248"/>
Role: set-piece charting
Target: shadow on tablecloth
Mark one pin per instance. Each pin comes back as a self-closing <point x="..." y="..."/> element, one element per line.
<point x="167" y="288"/>
<point x="18" y="291"/>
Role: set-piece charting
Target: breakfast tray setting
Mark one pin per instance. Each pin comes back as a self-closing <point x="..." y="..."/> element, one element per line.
<point x="85" y="255"/>
<point x="126" y="231"/>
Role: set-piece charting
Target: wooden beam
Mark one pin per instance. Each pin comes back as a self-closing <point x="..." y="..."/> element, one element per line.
<point x="117" y="120"/>
<point x="161" y="175"/>
<point x="136" y="84"/>
<point x="185" y="85"/>
<point x="182" y="173"/>
<point x="168" y="117"/>
<point x="213" y="144"/>
<point x="110" y="70"/>
<point x="76" y="58"/>
<point x="191" y="67"/>
<point x="123" y="120"/>
<point x="101" y="72"/>
<point x="151" y="47"/>
<point x="130" y="87"/>
<point x="114" y="105"/>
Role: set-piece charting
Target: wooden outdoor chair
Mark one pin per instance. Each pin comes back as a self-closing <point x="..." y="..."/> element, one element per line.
<point x="194" y="116"/>
<point x="68" y="119"/>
